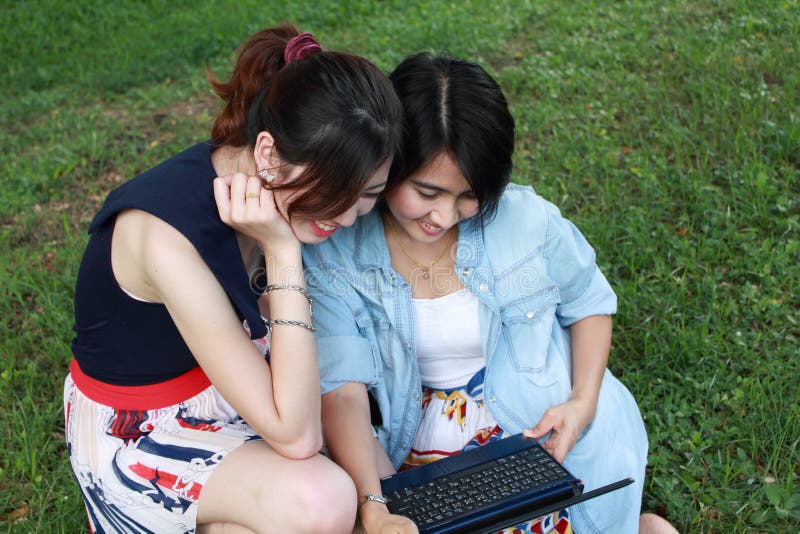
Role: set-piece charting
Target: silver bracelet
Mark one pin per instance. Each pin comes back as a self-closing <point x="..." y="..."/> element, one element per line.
<point x="290" y="287"/>
<point x="369" y="497"/>
<point x="290" y="322"/>
<point x="293" y="287"/>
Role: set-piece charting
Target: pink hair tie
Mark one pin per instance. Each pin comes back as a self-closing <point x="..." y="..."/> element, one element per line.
<point x="300" y="46"/>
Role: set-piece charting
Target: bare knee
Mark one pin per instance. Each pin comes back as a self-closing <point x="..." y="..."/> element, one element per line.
<point x="331" y="496"/>
<point x="653" y="524"/>
<point x="323" y="498"/>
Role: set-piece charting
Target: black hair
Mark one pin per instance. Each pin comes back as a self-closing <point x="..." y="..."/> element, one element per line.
<point x="334" y="113"/>
<point x="455" y="107"/>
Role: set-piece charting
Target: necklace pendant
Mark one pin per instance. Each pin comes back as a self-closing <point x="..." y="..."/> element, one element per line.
<point x="426" y="274"/>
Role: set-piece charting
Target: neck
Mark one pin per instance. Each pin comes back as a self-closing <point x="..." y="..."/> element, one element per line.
<point x="420" y="254"/>
<point x="427" y="267"/>
<point x="234" y="159"/>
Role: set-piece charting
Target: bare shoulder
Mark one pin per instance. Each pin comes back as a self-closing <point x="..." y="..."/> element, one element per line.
<point x="146" y="248"/>
<point x="142" y="228"/>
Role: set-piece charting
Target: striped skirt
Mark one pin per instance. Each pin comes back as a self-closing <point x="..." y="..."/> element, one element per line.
<point x="143" y="469"/>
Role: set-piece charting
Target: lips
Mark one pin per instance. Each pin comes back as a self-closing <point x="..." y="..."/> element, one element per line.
<point x="323" y="230"/>
<point x="429" y="228"/>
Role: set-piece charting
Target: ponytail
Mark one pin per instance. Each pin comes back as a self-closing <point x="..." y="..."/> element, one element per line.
<point x="335" y="114"/>
<point x="259" y="60"/>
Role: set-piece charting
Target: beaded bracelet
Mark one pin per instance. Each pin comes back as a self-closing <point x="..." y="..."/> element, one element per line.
<point x="290" y="322"/>
<point x="292" y="287"/>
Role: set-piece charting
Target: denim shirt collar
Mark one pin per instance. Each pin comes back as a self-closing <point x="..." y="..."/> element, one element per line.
<point x="371" y="251"/>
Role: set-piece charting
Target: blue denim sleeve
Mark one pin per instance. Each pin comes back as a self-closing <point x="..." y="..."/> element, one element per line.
<point x="344" y="354"/>
<point x="583" y="289"/>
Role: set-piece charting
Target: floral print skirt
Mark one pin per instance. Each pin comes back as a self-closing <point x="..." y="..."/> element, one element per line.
<point x="458" y="419"/>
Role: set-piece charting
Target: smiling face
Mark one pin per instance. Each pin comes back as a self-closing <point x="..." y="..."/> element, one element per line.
<point x="311" y="231"/>
<point x="432" y="200"/>
<point x="308" y="229"/>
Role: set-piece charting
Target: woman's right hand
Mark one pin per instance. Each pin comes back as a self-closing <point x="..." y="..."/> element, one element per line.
<point x="378" y="520"/>
<point x="249" y="208"/>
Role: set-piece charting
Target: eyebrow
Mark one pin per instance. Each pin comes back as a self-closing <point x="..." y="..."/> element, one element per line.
<point x="376" y="186"/>
<point x="426" y="185"/>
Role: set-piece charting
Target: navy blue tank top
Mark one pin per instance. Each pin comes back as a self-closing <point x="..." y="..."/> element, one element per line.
<point x="123" y="341"/>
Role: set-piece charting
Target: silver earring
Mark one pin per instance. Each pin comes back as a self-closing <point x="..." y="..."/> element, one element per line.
<point x="264" y="173"/>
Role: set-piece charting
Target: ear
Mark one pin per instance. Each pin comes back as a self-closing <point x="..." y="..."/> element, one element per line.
<point x="265" y="155"/>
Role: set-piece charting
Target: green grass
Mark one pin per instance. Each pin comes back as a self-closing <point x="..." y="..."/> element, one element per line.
<point x="669" y="132"/>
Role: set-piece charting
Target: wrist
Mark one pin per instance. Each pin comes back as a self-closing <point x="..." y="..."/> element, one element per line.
<point x="376" y="498"/>
<point x="587" y="405"/>
<point x="284" y="250"/>
<point x="284" y="266"/>
<point x="371" y="512"/>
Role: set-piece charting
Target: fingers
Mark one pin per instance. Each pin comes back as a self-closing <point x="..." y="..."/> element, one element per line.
<point x="248" y="207"/>
<point x="229" y="194"/>
<point x="245" y="198"/>
<point x="547" y="423"/>
<point x="556" y="444"/>
<point x="240" y="186"/>
<point x="397" y="524"/>
<point x="227" y="179"/>
<point x="222" y="196"/>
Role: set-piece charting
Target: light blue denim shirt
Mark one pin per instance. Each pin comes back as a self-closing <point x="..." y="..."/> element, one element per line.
<point x="534" y="275"/>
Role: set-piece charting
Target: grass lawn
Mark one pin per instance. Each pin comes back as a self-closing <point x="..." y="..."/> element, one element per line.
<point x="669" y="132"/>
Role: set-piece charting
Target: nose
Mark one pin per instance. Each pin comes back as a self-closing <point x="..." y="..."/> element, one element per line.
<point x="348" y="217"/>
<point x="445" y="215"/>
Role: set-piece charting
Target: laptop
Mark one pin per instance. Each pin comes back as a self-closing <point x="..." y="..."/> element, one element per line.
<point x="486" y="489"/>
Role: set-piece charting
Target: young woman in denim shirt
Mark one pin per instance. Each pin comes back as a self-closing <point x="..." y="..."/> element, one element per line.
<point x="469" y="309"/>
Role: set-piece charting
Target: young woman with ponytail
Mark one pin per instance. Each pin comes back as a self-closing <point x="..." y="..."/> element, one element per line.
<point x="193" y="399"/>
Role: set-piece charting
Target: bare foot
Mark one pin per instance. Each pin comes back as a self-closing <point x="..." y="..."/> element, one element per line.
<point x="654" y="524"/>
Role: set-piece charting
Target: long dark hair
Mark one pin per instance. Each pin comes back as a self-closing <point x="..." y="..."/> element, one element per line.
<point x="455" y="107"/>
<point x="335" y="113"/>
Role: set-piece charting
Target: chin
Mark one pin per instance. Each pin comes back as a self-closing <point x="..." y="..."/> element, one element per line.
<point x="313" y="240"/>
<point x="307" y="236"/>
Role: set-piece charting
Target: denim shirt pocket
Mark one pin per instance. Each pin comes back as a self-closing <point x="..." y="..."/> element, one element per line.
<point x="527" y="324"/>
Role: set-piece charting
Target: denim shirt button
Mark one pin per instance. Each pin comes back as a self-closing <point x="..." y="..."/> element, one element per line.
<point x="492" y="399"/>
<point x="484" y="288"/>
<point x="530" y="315"/>
<point x="464" y="272"/>
<point x="416" y="396"/>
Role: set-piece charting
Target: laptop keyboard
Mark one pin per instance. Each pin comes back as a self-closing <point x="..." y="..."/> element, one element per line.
<point x="471" y="489"/>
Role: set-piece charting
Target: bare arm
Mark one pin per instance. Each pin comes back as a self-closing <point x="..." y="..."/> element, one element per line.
<point x="154" y="261"/>
<point x="591" y="343"/>
<point x="348" y="435"/>
<point x="282" y="403"/>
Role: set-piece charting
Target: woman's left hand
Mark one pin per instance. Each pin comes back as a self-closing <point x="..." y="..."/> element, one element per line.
<point x="249" y="208"/>
<point x="565" y="421"/>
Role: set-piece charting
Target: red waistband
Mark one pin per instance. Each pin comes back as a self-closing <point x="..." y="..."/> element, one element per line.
<point x="149" y="397"/>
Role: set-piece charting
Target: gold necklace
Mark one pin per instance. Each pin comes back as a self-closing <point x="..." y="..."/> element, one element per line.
<point x="424" y="268"/>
